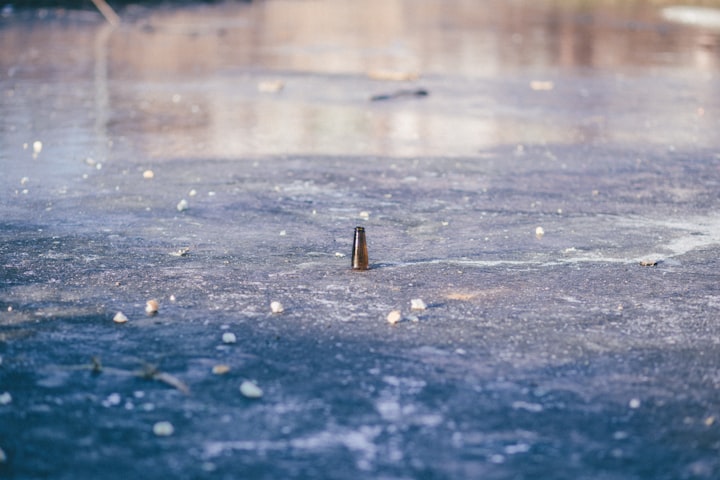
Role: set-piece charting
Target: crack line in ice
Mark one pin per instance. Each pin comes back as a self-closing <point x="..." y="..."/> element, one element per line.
<point x="702" y="232"/>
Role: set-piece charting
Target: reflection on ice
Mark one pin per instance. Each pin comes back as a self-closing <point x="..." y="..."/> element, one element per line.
<point x="480" y="63"/>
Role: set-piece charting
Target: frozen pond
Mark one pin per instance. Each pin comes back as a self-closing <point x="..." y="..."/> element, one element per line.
<point x="552" y="198"/>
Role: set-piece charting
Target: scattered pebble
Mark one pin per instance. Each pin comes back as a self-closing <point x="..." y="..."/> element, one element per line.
<point x="276" y="307"/>
<point x="541" y="85"/>
<point x="37" y="147"/>
<point x="539" y="232"/>
<point x="182" y="205"/>
<point x="112" y="400"/>
<point x="271" y="86"/>
<point x="220" y="369"/>
<point x="283" y="233"/>
<point x="24" y="180"/>
<point x="148" y="174"/>
<point x="648" y="263"/>
<point x="5" y="398"/>
<point x="229" y="337"/>
<point x="192" y="192"/>
<point x="417" y="304"/>
<point x="120" y="318"/>
<point x="152" y="307"/>
<point x="393" y="75"/>
<point x="709" y="421"/>
<point x="364" y="215"/>
<point x="250" y="390"/>
<point x="634" y="403"/>
<point x="3" y="457"/>
<point x="339" y="254"/>
<point x="394" y="317"/>
<point x="163" y="429"/>
<point x="182" y="252"/>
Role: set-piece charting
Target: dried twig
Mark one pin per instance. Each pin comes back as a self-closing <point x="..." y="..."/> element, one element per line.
<point x="148" y="371"/>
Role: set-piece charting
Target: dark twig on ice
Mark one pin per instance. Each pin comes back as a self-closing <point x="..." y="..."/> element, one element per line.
<point x="420" y="92"/>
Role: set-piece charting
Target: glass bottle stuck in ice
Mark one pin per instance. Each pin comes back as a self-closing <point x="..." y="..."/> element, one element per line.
<point x="360" y="251"/>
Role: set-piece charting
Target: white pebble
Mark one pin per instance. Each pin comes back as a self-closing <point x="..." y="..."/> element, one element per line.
<point x="271" y="86"/>
<point x="229" y="337"/>
<point x="192" y="192"/>
<point x="37" y="147"/>
<point x="5" y="398"/>
<point x="539" y="232"/>
<point x="417" y="304"/>
<point x="120" y="318"/>
<point x="152" y="307"/>
<point x="364" y="215"/>
<point x="148" y="174"/>
<point x="394" y="317"/>
<point x="634" y="403"/>
<point x="276" y="307"/>
<point x="24" y="180"/>
<point x="220" y="369"/>
<point x="250" y="390"/>
<point x="163" y="429"/>
<point x="182" y="205"/>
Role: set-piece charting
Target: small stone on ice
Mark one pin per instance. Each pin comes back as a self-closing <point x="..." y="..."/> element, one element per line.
<point x="182" y="205"/>
<point x="163" y="429"/>
<point x="151" y="307"/>
<point x="364" y="215"/>
<point x="250" y="390"/>
<point x="5" y="398"/>
<point x="417" y="304"/>
<point x="120" y="318"/>
<point x="271" y="86"/>
<point x="634" y="403"/>
<point x="37" y="147"/>
<point x="539" y="232"/>
<point x="148" y="174"/>
<point x="229" y="337"/>
<point x="276" y="307"/>
<point x="394" y="317"/>
<point x="220" y="369"/>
